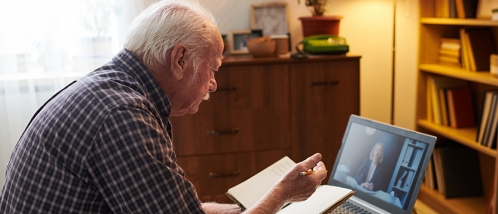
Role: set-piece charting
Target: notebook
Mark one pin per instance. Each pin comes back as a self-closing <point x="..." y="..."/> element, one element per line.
<point x="391" y="185"/>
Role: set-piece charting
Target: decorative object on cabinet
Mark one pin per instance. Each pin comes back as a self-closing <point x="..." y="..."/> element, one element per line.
<point x="315" y="25"/>
<point x="432" y="29"/>
<point x="272" y="18"/>
<point x="225" y="42"/>
<point x="261" y="47"/>
<point x="238" y="40"/>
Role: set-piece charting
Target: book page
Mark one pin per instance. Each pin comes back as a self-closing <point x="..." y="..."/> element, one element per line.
<point x="250" y="191"/>
<point x="324" y="198"/>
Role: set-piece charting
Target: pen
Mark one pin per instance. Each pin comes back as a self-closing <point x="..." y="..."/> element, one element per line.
<point x="306" y="173"/>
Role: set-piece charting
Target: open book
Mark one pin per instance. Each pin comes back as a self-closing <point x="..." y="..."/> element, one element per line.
<point x="325" y="199"/>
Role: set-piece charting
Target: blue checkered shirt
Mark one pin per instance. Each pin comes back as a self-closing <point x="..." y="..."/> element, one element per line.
<point x="103" y="145"/>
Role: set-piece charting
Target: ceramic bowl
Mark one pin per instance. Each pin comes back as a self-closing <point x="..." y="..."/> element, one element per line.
<point x="261" y="47"/>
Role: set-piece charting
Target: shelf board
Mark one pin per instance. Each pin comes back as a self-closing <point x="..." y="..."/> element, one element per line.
<point x="484" y="77"/>
<point x="455" y="21"/>
<point x="465" y="136"/>
<point x="452" y="205"/>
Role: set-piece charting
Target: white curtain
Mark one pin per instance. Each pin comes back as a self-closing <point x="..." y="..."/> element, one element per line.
<point x="46" y="44"/>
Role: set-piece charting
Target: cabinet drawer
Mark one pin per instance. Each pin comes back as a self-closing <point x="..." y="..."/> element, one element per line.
<point x="232" y="131"/>
<point x="213" y="175"/>
<point x="244" y="87"/>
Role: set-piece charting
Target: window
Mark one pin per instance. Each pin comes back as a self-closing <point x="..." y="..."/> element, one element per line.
<point x="44" y="45"/>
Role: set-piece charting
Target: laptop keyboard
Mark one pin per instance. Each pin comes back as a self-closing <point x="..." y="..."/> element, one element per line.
<point x="349" y="208"/>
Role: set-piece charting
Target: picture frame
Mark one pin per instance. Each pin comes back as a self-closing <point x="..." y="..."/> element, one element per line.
<point x="239" y="39"/>
<point x="271" y="18"/>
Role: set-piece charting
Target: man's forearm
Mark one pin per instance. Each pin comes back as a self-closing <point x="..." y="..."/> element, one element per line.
<point x="212" y="207"/>
<point x="272" y="202"/>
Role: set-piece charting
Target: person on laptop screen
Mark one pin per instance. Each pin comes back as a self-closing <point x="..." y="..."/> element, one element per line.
<point x="369" y="175"/>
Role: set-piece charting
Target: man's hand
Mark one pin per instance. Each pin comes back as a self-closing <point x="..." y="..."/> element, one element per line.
<point x="297" y="187"/>
<point x="292" y="187"/>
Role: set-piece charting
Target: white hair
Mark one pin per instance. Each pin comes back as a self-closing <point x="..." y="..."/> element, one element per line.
<point x="167" y="23"/>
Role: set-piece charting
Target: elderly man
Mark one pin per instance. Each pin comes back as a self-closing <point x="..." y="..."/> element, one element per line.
<point x="103" y="144"/>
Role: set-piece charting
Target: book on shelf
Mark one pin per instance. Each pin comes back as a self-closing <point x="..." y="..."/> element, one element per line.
<point x="450" y="44"/>
<point x="482" y="45"/>
<point x="465" y="50"/>
<point x="457" y="171"/>
<point x="460" y="107"/>
<point x="449" y="52"/>
<point x="490" y="132"/>
<point x="487" y="132"/>
<point x="438" y="174"/>
<point x="429" y="178"/>
<point x="466" y="8"/>
<point x="477" y="46"/>
<point x="446" y="9"/>
<point x="443" y="104"/>
<point x="484" y="119"/>
<point x="435" y="83"/>
<point x="428" y="98"/>
<point x="445" y="60"/>
<point x="325" y="198"/>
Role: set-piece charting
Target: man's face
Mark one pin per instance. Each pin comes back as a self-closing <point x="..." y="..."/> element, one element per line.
<point x="197" y="87"/>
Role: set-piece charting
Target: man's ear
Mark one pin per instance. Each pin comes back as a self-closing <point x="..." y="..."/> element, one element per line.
<point x="178" y="61"/>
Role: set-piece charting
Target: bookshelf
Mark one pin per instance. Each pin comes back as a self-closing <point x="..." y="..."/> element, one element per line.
<point x="432" y="29"/>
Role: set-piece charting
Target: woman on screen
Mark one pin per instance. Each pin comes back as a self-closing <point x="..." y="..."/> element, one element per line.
<point x="369" y="175"/>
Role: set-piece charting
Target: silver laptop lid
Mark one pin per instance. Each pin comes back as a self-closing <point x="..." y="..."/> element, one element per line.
<point x="385" y="164"/>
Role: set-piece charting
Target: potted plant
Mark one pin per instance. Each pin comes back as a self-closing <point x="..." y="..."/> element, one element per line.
<point x="318" y="23"/>
<point x="317" y="7"/>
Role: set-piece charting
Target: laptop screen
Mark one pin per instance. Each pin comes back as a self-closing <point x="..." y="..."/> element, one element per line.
<point x="384" y="164"/>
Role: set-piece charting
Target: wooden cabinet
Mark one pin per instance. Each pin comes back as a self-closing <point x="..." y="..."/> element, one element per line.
<point x="431" y="30"/>
<point x="264" y="109"/>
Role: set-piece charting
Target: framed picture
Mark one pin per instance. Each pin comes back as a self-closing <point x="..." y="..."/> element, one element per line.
<point x="239" y="39"/>
<point x="272" y="18"/>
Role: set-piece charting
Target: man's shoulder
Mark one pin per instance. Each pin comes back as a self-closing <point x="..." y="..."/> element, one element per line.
<point x="113" y="87"/>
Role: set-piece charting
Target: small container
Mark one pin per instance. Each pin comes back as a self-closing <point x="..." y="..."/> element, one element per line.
<point x="261" y="47"/>
<point x="494" y="17"/>
<point x="282" y="44"/>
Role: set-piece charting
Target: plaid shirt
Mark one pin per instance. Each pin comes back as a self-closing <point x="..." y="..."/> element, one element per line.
<point x="102" y="145"/>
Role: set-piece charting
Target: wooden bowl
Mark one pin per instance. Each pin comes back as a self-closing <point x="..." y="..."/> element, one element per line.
<point x="261" y="47"/>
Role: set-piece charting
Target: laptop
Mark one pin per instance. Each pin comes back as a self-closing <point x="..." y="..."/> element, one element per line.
<point x="392" y="184"/>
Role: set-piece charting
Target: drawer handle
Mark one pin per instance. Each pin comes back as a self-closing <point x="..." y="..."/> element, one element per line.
<point x="220" y="175"/>
<point x="234" y="88"/>
<point x="324" y="83"/>
<point x="218" y="133"/>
